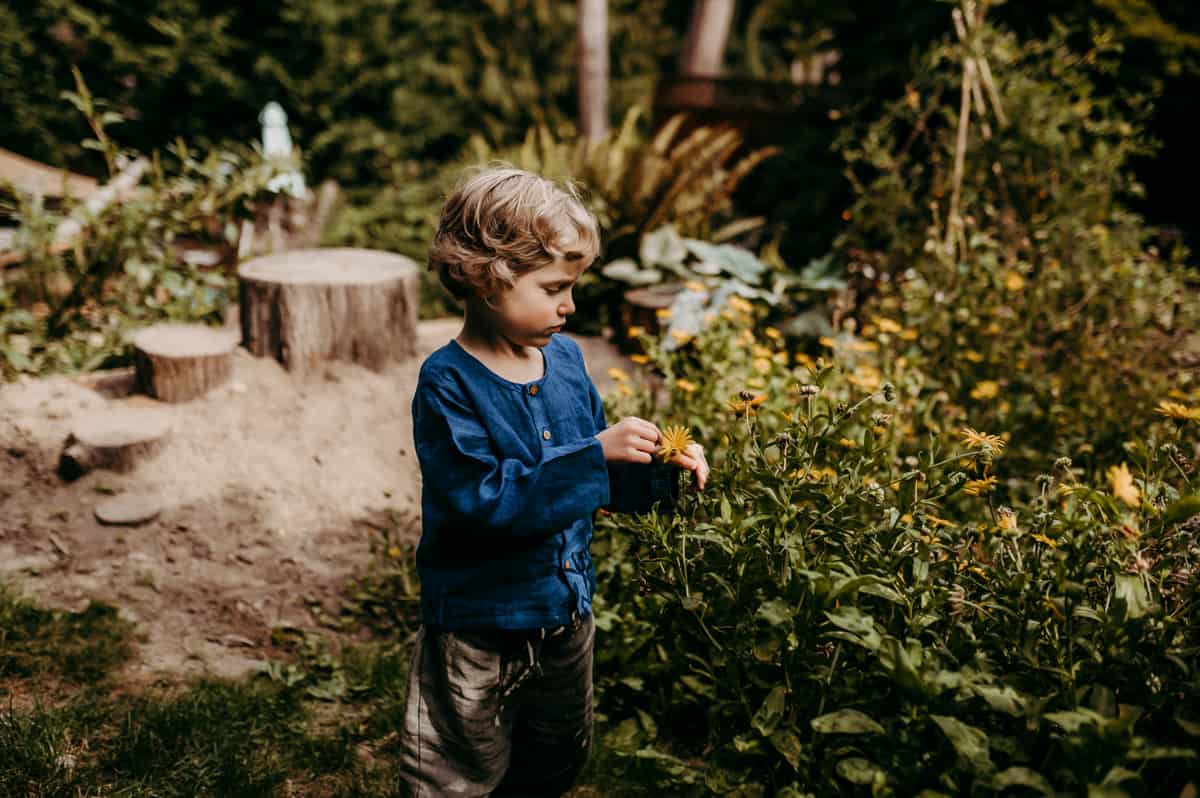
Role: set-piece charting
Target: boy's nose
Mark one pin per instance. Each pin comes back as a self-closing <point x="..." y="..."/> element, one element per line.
<point x="567" y="307"/>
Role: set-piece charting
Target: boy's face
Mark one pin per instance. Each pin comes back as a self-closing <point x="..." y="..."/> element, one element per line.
<point x="538" y="304"/>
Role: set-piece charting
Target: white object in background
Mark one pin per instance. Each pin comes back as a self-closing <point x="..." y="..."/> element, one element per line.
<point x="277" y="146"/>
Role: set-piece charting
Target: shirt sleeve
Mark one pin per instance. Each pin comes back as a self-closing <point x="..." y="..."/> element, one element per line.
<point x="636" y="487"/>
<point x="504" y="496"/>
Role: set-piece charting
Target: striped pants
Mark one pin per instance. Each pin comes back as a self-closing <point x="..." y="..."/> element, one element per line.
<point x="498" y="712"/>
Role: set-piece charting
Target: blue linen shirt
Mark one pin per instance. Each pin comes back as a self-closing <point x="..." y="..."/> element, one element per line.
<point x="512" y="474"/>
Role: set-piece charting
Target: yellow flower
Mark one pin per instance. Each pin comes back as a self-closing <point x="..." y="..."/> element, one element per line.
<point x="685" y="385"/>
<point x="1040" y="538"/>
<point x="806" y="361"/>
<point x="757" y="399"/>
<point x="682" y="336"/>
<point x="756" y="382"/>
<point x="762" y="365"/>
<point x="675" y="440"/>
<point x="773" y="333"/>
<point x="663" y="313"/>
<point x="1179" y="411"/>
<point x="641" y="360"/>
<point x="987" y="389"/>
<point x="888" y="326"/>
<point x="635" y="331"/>
<point x="864" y="346"/>
<point x="992" y="329"/>
<point x="624" y="389"/>
<point x="849" y="444"/>
<point x="906" y="518"/>
<point x="738" y="303"/>
<point x="826" y="341"/>
<point x="909" y="335"/>
<point x="1013" y="281"/>
<point x="1006" y="519"/>
<point x="933" y="519"/>
<point x="394" y="552"/>
<point x="762" y="351"/>
<point x="740" y="407"/>
<point x="696" y="285"/>
<point x="979" y="440"/>
<point x="867" y="378"/>
<point x="617" y="374"/>
<point x="1122" y="485"/>
<point x="973" y="356"/>
<point x="980" y="487"/>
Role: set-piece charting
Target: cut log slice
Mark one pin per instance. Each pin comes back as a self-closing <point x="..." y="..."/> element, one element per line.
<point x="116" y="439"/>
<point x="309" y="306"/>
<point x="178" y="362"/>
<point x="128" y="509"/>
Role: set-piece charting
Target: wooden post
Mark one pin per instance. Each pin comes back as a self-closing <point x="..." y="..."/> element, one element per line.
<point x="593" y="68"/>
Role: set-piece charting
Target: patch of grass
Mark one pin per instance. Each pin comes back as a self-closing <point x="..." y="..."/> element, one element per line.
<point x="81" y="647"/>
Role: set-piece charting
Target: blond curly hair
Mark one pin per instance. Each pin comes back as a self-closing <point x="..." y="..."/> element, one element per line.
<point x="501" y="222"/>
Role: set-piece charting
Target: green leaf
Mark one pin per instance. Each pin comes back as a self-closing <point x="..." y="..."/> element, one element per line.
<point x="857" y="770"/>
<point x="1105" y="791"/>
<point x="1189" y="726"/>
<point x="846" y="721"/>
<point x="859" y="624"/>
<point x="1022" y="777"/>
<point x="1002" y="699"/>
<point x="970" y="742"/>
<point x="771" y="711"/>
<point x="1182" y="509"/>
<point x="1073" y="720"/>
<point x="662" y="247"/>
<point x="788" y="744"/>
<point x="1130" y="589"/>
<point x="648" y="724"/>
<point x="775" y="612"/>
<point x="1118" y="775"/>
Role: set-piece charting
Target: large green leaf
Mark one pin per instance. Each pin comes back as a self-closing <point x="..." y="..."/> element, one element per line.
<point x="1131" y="590"/>
<point x="771" y="711"/>
<point x="1022" y="777"/>
<point x="970" y="743"/>
<point x="846" y="721"/>
<point x="857" y="770"/>
<point x="788" y="744"/>
<point x="662" y="247"/>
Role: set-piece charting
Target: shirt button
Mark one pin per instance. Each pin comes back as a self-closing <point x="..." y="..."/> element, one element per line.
<point x="546" y="434"/>
<point x="533" y="390"/>
<point x="567" y="564"/>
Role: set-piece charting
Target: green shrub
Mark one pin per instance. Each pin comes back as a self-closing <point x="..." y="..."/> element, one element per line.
<point x="1054" y="293"/>
<point x="74" y="309"/>
<point x="852" y="601"/>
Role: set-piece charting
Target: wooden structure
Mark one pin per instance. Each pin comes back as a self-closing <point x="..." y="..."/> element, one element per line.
<point x="33" y="177"/>
<point x="305" y="307"/>
<point x="178" y="362"/>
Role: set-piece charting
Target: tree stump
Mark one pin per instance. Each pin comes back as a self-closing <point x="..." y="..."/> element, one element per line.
<point x="114" y="439"/>
<point x="305" y="307"/>
<point x="178" y="362"/>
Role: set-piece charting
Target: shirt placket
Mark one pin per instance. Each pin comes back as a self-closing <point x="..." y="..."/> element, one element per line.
<point x="534" y="398"/>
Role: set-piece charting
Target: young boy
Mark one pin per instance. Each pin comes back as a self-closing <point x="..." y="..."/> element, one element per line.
<point x="515" y="460"/>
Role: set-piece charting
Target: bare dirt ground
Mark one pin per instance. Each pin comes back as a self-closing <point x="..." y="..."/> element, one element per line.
<point x="261" y="485"/>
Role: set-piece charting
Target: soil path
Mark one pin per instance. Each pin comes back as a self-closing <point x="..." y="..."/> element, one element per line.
<point x="263" y="487"/>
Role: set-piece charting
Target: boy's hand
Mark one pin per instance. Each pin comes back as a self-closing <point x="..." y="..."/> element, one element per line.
<point x="630" y="440"/>
<point x="693" y="460"/>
